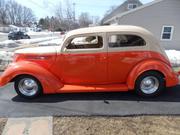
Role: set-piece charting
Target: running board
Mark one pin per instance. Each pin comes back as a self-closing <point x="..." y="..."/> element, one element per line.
<point x="93" y="88"/>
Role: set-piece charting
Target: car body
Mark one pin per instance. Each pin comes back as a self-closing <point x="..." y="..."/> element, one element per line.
<point x="97" y="59"/>
<point x="18" y="35"/>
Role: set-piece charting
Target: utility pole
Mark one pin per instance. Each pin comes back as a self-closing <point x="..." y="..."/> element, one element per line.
<point x="74" y="11"/>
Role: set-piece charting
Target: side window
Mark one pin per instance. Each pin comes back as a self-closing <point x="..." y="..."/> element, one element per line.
<point x="86" y="42"/>
<point x="125" y="41"/>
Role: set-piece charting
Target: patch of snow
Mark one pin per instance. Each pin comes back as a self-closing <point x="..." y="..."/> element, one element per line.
<point x="174" y="57"/>
<point x="31" y="33"/>
<point x="8" y="44"/>
<point x="37" y="40"/>
<point x="5" y="59"/>
<point x="3" y="33"/>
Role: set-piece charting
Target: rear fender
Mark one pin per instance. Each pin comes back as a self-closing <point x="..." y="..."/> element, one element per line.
<point x="170" y="76"/>
<point x="49" y="82"/>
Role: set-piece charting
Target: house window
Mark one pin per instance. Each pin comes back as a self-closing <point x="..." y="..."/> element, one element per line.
<point x="167" y="33"/>
<point x="132" y="6"/>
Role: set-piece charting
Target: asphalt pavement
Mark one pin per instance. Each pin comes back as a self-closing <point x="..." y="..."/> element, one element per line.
<point x="88" y="104"/>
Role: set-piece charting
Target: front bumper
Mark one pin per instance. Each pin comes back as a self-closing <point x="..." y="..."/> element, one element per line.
<point x="6" y="76"/>
<point x="3" y="81"/>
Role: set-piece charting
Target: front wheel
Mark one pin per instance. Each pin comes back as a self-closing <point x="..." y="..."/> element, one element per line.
<point x="27" y="87"/>
<point x="150" y="84"/>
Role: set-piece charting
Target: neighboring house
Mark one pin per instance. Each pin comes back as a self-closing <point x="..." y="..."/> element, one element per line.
<point x="4" y="28"/>
<point x="126" y="6"/>
<point x="161" y="17"/>
<point x="33" y="28"/>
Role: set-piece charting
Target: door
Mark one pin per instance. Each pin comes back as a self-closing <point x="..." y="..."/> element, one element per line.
<point x="84" y="60"/>
<point x="124" y="52"/>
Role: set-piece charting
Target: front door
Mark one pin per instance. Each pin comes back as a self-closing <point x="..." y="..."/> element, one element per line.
<point x="84" y="60"/>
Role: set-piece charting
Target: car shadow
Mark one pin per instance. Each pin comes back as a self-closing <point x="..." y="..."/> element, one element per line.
<point x="169" y="95"/>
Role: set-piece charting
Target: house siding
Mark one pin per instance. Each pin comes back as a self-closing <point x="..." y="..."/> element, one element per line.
<point x="4" y="29"/>
<point x="154" y="17"/>
<point x="122" y="8"/>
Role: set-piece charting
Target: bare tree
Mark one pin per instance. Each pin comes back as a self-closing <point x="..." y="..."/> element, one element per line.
<point x="65" y="16"/>
<point x="59" y="11"/>
<point x="27" y="16"/>
<point x="3" y="12"/>
<point x="18" y="14"/>
<point x="96" y="20"/>
<point x="69" y="14"/>
<point x="84" y="20"/>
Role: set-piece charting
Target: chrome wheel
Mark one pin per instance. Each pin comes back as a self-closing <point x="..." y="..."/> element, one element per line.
<point x="149" y="85"/>
<point x="28" y="87"/>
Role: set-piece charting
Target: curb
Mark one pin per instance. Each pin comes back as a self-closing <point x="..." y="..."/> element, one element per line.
<point x="29" y="126"/>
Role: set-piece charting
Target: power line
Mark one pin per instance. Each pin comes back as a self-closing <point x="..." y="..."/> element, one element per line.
<point x="36" y="4"/>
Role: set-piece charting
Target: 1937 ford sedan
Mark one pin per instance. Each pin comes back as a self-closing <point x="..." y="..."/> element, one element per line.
<point x="96" y="59"/>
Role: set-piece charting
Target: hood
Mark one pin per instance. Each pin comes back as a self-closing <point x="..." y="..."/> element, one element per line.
<point x="39" y="50"/>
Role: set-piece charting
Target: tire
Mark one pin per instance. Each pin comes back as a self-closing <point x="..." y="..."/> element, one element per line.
<point x="28" y="87"/>
<point x="150" y="84"/>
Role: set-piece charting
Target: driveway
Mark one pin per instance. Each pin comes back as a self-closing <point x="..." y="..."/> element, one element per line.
<point x="88" y="104"/>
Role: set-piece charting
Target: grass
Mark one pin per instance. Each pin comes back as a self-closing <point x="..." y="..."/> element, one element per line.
<point x="145" y="125"/>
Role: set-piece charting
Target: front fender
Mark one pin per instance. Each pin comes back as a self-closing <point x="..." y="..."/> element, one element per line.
<point x="49" y="82"/>
<point x="171" y="77"/>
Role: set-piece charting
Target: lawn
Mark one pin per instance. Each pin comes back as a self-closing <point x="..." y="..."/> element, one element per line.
<point x="145" y="125"/>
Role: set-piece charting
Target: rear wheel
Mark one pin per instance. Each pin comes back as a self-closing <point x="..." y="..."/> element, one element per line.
<point x="150" y="84"/>
<point x="27" y="87"/>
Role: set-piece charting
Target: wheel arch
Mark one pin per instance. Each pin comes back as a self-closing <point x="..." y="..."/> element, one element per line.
<point x="19" y="75"/>
<point x="50" y="83"/>
<point x="152" y="66"/>
<point x="152" y="70"/>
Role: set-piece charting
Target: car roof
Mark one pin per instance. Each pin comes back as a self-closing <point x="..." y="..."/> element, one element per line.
<point x="107" y="29"/>
<point x="152" y="42"/>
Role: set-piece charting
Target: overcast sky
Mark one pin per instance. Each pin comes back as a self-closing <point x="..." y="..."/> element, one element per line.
<point x="43" y="8"/>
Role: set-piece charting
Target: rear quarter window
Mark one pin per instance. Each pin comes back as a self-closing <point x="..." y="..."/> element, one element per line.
<point x="118" y="40"/>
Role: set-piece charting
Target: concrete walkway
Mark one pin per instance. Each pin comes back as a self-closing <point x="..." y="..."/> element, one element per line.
<point x="29" y="126"/>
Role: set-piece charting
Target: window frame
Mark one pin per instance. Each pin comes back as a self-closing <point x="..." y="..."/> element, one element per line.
<point x="132" y="4"/>
<point x="111" y="34"/>
<point x="84" y="43"/>
<point x="95" y="50"/>
<point x="171" y="33"/>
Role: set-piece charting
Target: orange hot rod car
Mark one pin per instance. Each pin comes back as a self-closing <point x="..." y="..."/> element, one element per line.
<point x="96" y="59"/>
